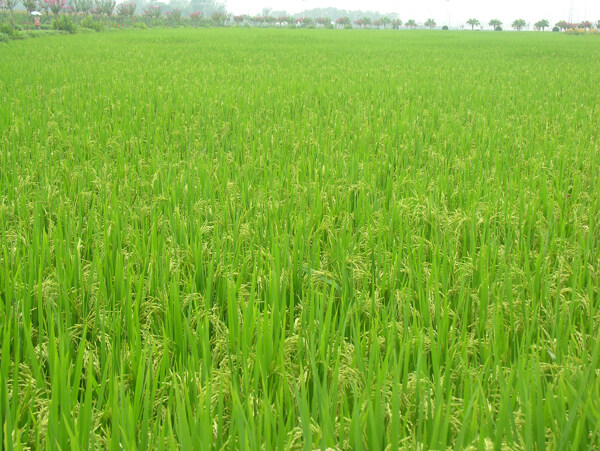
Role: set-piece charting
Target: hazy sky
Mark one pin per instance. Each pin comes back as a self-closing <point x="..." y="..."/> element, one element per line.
<point x="459" y="10"/>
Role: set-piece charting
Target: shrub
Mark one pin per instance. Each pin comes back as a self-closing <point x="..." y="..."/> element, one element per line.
<point x="555" y="29"/>
<point x="8" y="30"/>
<point x="91" y="24"/>
<point x="140" y="25"/>
<point x="64" y="23"/>
<point x="4" y="37"/>
<point x="498" y="28"/>
<point x="445" y="28"/>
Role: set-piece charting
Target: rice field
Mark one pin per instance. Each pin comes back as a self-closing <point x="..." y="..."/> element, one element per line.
<point x="300" y="239"/>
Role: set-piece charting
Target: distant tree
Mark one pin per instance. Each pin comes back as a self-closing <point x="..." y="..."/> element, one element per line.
<point x="174" y="16"/>
<point x="586" y="24"/>
<point x="473" y="22"/>
<point x="30" y="5"/>
<point x="56" y="6"/>
<point x="563" y="25"/>
<point x="284" y="20"/>
<point x="323" y="21"/>
<point x="385" y="20"/>
<point x="105" y="7"/>
<point x="411" y="24"/>
<point x="9" y="5"/>
<point x="308" y="22"/>
<point x="430" y="23"/>
<point x="219" y="18"/>
<point x="152" y="11"/>
<point x="342" y="22"/>
<point x="205" y="7"/>
<point x="519" y="24"/>
<point x="126" y="9"/>
<point x="366" y="21"/>
<point x="396" y="24"/>
<point x="541" y="24"/>
<point x="495" y="23"/>
<point x="377" y="23"/>
<point x="82" y="6"/>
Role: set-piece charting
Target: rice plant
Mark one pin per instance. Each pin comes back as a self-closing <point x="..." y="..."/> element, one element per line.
<point x="300" y="239"/>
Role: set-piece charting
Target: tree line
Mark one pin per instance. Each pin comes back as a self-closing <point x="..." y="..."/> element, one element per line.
<point x="213" y="13"/>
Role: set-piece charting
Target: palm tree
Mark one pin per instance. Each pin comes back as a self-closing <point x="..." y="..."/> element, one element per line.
<point x="411" y="23"/>
<point x="563" y="25"/>
<point x="430" y="23"/>
<point x="385" y="20"/>
<point x="473" y="22"/>
<point x="541" y="25"/>
<point x="519" y="24"/>
<point x="495" y="23"/>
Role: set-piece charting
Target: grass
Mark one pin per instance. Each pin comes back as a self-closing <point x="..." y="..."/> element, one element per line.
<point x="300" y="239"/>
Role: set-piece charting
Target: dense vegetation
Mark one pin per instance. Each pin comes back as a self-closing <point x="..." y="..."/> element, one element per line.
<point x="242" y="238"/>
<point x="20" y="19"/>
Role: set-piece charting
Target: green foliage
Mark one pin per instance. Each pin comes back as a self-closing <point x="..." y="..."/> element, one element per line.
<point x="555" y="29"/>
<point x="445" y="28"/>
<point x="90" y="23"/>
<point x="473" y="23"/>
<point x="495" y="23"/>
<point x="30" y="5"/>
<point x="64" y="23"/>
<point x="106" y="7"/>
<point x="11" y="31"/>
<point x="4" y="38"/>
<point x="541" y="25"/>
<point x="140" y="25"/>
<point x="519" y="24"/>
<point x="82" y="6"/>
<point x="288" y="239"/>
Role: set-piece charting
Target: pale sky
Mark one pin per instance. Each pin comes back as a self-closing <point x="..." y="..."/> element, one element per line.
<point x="458" y="10"/>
